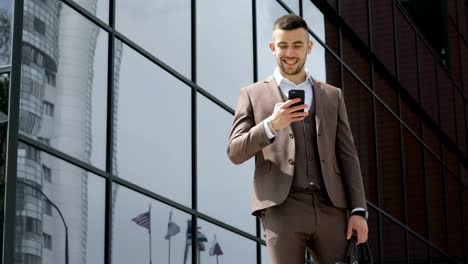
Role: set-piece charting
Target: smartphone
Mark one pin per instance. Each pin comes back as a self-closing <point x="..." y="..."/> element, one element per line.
<point x="297" y="94"/>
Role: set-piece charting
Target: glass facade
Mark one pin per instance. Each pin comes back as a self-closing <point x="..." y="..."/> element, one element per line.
<point x="119" y="113"/>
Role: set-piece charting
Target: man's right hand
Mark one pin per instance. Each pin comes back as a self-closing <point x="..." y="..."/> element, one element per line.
<point x="284" y="114"/>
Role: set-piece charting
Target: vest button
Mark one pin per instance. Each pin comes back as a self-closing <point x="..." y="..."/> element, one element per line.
<point x="291" y="135"/>
<point x="291" y="161"/>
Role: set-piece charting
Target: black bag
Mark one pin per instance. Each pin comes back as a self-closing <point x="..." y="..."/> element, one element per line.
<point x="357" y="254"/>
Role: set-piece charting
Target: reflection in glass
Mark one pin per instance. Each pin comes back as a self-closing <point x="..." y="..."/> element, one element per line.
<point x="267" y="12"/>
<point x="417" y="250"/>
<point x="406" y="50"/>
<point x="447" y="114"/>
<point x="393" y="245"/>
<point x="220" y="72"/>
<point x="415" y="182"/>
<point x="63" y="81"/>
<point x="5" y="31"/>
<point x="315" y="19"/>
<point x="359" y="107"/>
<point x="154" y="128"/>
<point x="140" y="222"/>
<point x="235" y="249"/>
<point x="219" y="181"/>
<point x="454" y="217"/>
<point x="389" y="162"/>
<point x="316" y="61"/>
<point x="355" y="14"/>
<point x="160" y="27"/>
<point x="74" y="193"/>
<point x="436" y="206"/>
<point x="382" y="32"/>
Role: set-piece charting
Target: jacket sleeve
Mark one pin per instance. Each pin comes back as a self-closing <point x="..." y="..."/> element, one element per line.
<point x="246" y="137"/>
<point x="348" y="158"/>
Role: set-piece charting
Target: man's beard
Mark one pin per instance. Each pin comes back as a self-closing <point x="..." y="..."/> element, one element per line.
<point x="290" y="71"/>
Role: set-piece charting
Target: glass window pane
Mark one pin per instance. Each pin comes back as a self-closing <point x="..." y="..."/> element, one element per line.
<point x="139" y="219"/>
<point x="219" y="72"/>
<point x="410" y="118"/>
<point x="462" y="135"/>
<point x="220" y="182"/>
<point x="454" y="221"/>
<point x="428" y="82"/>
<point x="418" y="250"/>
<point x="293" y="5"/>
<point x="373" y="239"/>
<point x="146" y="22"/>
<point x="153" y="150"/>
<point x="415" y="184"/>
<point x="267" y="12"/>
<point x="436" y="203"/>
<point x="315" y="62"/>
<point x="77" y="194"/>
<point x="360" y="114"/>
<point x="234" y="248"/>
<point x="6" y="9"/>
<point x="431" y="140"/>
<point x="385" y="91"/>
<point x="356" y="60"/>
<point x="393" y="242"/>
<point x="315" y="20"/>
<point x="382" y="32"/>
<point x="355" y="14"/>
<point x="265" y="256"/>
<point x="406" y="47"/>
<point x="447" y="114"/>
<point x="332" y="70"/>
<point x="388" y="141"/>
<point x="67" y="69"/>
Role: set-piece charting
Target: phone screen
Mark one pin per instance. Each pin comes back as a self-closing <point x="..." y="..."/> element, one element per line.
<point x="297" y="94"/>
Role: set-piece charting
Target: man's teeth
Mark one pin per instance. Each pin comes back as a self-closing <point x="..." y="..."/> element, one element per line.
<point x="290" y="61"/>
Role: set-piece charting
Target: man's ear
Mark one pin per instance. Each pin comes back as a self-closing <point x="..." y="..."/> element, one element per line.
<point x="271" y="44"/>
<point x="309" y="46"/>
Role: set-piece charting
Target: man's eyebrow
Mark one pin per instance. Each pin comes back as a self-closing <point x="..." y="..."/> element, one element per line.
<point x="295" y="42"/>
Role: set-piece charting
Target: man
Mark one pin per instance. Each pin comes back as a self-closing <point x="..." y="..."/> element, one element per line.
<point x="307" y="173"/>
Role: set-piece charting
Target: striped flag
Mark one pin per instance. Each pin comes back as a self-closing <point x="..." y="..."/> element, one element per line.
<point x="143" y="220"/>
<point x="215" y="249"/>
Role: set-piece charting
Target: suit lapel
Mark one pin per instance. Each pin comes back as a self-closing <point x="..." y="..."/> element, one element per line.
<point x="273" y="90"/>
<point x="318" y="101"/>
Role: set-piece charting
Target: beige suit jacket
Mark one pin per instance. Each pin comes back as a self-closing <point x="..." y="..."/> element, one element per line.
<point x="274" y="165"/>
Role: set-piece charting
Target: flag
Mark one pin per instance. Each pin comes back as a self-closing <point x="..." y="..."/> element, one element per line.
<point x="172" y="230"/>
<point x="143" y="220"/>
<point x="201" y="239"/>
<point x="215" y="249"/>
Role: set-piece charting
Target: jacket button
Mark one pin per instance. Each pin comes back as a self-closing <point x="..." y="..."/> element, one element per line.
<point x="291" y="135"/>
<point x="291" y="161"/>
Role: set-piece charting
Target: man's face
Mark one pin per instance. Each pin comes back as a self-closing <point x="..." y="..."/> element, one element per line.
<point x="290" y="48"/>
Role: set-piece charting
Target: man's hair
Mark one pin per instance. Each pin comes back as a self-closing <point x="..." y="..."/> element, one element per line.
<point x="289" y="22"/>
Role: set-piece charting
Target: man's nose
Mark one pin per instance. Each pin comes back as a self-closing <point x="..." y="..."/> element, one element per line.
<point x="290" y="52"/>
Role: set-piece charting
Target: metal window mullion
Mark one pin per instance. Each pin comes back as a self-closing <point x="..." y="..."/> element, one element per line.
<point x="301" y="8"/>
<point x="395" y="42"/>
<point x="194" y="227"/>
<point x="426" y="195"/>
<point x="403" y="183"/>
<point x="376" y="166"/>
<point x="12" y="136"/>
<point x="110" y="136"/>
<point x="255" y="79"/>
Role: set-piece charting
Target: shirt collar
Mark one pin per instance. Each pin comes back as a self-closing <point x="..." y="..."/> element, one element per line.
<point x="279" y="78"/>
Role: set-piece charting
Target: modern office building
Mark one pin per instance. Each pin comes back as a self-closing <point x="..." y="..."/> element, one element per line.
<point x="114" y="138"/>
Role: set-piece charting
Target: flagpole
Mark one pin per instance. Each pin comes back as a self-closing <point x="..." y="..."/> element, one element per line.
<point x="169" y="249"/>
<point x="149" y="234"/>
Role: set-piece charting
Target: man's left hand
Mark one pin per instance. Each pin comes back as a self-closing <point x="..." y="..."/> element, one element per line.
<point x="357" y="224"/>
